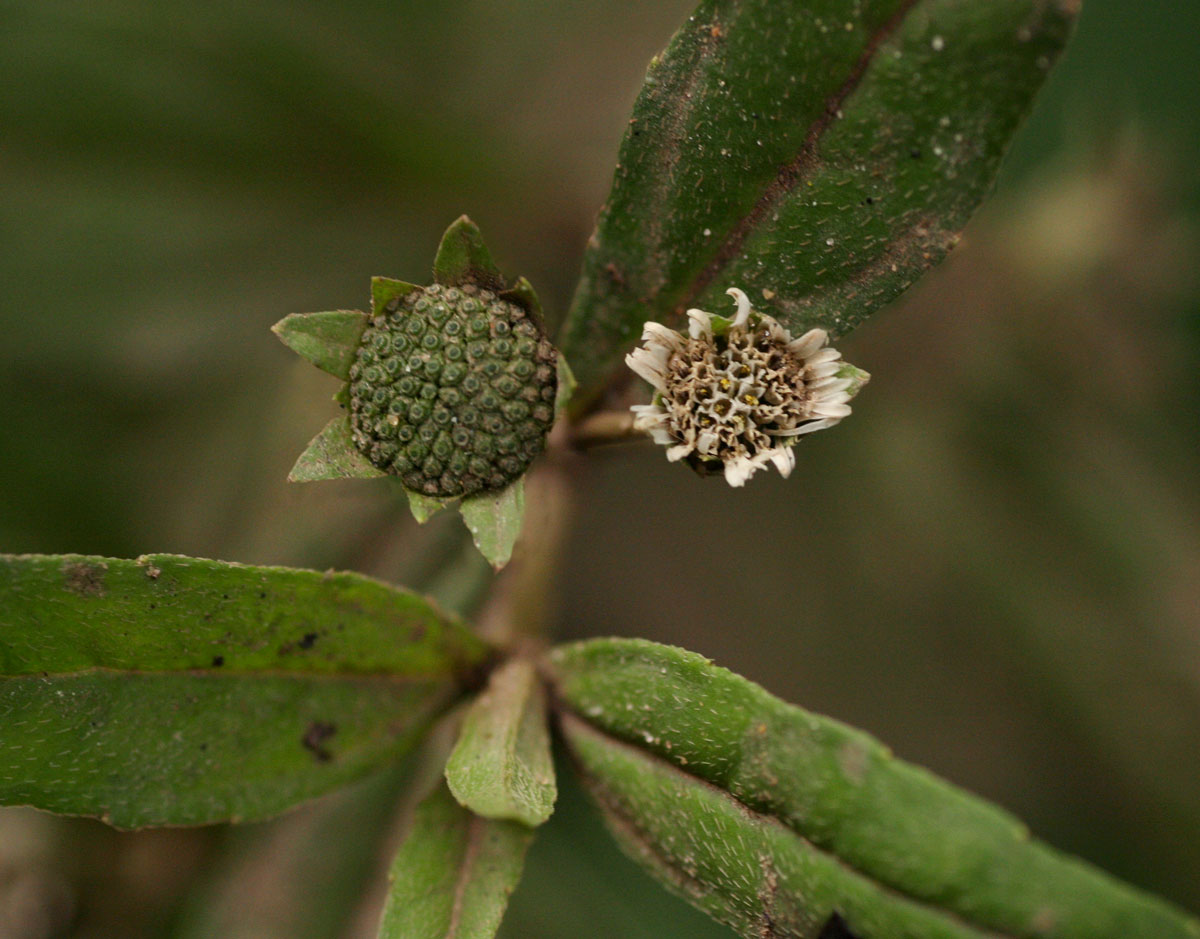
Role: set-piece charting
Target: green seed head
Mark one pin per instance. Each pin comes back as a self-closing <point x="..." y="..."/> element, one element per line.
<point x="451" y="390"/>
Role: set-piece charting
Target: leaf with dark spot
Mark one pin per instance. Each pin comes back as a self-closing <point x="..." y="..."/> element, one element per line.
<point x="835" y="928"/>
<point x="314" y="739"/>
<point x="773" y="819"/>
<point x="85" y="578"/>
<point x="113" y="709"/>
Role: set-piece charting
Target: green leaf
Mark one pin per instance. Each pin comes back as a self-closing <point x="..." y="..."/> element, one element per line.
<point x="328" y="340"/>
<point x="741" y="868"/>
<point x="523" y="294"/>
<point x="494" y="520"/>
<point x="177" y="691"/>
<point x="819" y="155"/>
<point x="501" y="766"/>
<point x="454" y="873"/>
<point x="566" y="385"/>
<point x="782" y="813"/>
<point x="424" y="507"/>
<point x="332" y="455"/>
<point x="387" y="292"/>
<point x="462" y="258"/>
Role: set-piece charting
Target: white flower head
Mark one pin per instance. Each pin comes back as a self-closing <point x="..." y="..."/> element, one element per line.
<point x="736" y="394"/>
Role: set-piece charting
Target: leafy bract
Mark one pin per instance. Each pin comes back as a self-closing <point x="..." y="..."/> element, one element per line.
<point x="424" y="507"/>
<point x="494" y="520"/>
<point x="819" y="155"/>
<point x="453" y="874"/>
<point x="332" y="455"/>
<point x="501" y="766"/>
<point x="171" y="691"/>
<point x="328" y="340"/>
<point x="827" y="816"/>
<point x="463" y="258"/>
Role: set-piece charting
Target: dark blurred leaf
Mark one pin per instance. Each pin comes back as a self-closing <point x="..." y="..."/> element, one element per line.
<point x="171" y="690"/>
<point x="752" y="808"/>
<point x="301" y="876"/>
<point x="454" y="873"/>
<point x="328" y="340"/>
<point x="818" y="155"/>
<point x="501" y="766"/>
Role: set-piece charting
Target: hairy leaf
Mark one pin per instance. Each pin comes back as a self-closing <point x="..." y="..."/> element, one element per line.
<point x="170" y="691"/>
<point x="328" y="340"/>
<point x="501" y="766"/>
<point x="836" y="792"/>
<point x="454" y="873"/>
<point x="740" y="867"/>
<point x="819" y="155"/>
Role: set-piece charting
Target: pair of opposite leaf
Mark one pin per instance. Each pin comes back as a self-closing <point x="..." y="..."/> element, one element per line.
<point x="453" y="387"/>
<point x="768" y="818"/>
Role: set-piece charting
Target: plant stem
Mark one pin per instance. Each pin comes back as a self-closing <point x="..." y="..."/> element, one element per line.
<point x="602" y="428"/>
<point x="517" y="614"/>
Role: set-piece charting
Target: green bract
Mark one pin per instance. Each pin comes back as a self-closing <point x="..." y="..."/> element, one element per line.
<point x="451" y="388"/>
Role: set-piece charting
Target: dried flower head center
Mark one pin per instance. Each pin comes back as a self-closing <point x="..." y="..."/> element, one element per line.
<point x="735" y="395"/>
<point x="735" y="391"/>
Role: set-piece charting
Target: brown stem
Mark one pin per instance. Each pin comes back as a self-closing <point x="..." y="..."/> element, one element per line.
<point x="602" y="428"/>
<point x="517" y="614"/>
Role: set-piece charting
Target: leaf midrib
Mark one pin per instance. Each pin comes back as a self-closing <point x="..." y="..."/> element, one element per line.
<point x="380" y="676"/>
<point x="792" y="173"/>
<point x="984" y="932"/>
<point x="475" y="832"/>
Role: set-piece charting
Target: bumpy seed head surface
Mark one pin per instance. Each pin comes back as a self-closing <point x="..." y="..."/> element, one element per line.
<point x="452" y="390"/>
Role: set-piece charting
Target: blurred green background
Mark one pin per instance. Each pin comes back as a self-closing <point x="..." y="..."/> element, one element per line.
<point x="995" y="566"/>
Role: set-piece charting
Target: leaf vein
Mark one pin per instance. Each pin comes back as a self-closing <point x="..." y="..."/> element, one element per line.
<point x="767" y="819"/>
<point x="791" y="173"/>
